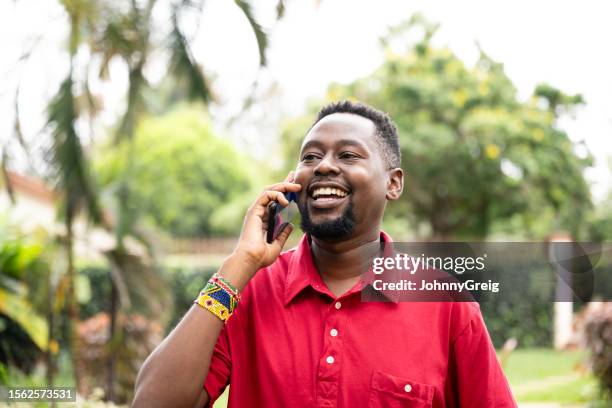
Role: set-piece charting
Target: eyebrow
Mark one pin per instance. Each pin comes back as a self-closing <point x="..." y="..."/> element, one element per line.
<point x="341" y="142"/>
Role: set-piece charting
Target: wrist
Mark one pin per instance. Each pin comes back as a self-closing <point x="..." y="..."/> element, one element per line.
<point x="238" y="269"/>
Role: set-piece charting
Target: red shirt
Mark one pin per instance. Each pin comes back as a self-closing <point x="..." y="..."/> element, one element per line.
<point x="293" y="343"/>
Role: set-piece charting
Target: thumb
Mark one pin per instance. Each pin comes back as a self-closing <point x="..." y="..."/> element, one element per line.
<point x="281" y="239"/>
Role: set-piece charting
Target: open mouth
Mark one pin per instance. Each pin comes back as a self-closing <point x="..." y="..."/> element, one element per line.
<point x="326" y="193"/>
<point x="327" y="196"/>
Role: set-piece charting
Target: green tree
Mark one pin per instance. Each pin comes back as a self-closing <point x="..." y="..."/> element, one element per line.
<point x="125" y="31"/>
<point x="600" y="222"/>
<point x="182" y="174"/>
<point x="474" y="155"/>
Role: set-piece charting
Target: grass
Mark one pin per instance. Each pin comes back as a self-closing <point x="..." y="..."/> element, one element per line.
<point x="533" y="364"/>
<point x="546" y="375"/>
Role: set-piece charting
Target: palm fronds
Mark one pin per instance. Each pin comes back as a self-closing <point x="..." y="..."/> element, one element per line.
<point x="184" y="66"/>
<point x="260" y="35"/>
<point x="66" y="156"/>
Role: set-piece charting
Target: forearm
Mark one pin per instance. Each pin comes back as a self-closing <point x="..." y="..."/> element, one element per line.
<point x="174" y="374"/>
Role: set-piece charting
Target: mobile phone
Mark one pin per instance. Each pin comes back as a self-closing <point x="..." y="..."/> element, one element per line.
<point x="278" y="216"/>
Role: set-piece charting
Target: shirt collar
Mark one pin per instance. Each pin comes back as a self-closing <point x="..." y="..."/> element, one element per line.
<point x="303" y="272"/>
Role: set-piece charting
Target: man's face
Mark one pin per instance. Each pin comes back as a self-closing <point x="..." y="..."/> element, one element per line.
<point x="343" y="176"/>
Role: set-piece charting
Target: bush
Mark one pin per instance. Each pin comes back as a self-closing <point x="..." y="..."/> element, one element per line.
<point x="137" y="337"/>
<point x="598" y="338"/>
<point x="186" y="283"/>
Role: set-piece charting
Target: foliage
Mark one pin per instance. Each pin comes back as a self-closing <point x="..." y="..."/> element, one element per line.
<point x="67" y="159"/>
<point x="22" y="268"/>
<point x="600" y="223"/>
<point x="508" y="315"/>
<point x="293" y="131"/>
<point x="473" y="153"/>
<point x="140" y="332"/>
<point x="140" y="337"/>
<point x="182" y="174"/>
<point x="147" y="289"/>
<point x="183" y="283"/>
<point x="186" y="283"/>
<point x="127" y="32"/>
<point x="598" y="335"/>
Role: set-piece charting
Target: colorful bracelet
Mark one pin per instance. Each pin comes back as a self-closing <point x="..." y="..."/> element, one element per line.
<point x="224" y="283"/>
<point x="218" y="297"/>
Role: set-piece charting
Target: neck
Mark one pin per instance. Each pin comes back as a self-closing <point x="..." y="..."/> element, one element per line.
<point x="343" y="261"/>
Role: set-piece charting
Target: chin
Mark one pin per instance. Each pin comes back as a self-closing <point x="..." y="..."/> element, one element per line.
<point x="324" y="219"/>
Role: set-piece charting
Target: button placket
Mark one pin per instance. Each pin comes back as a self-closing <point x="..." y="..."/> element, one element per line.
<point x="331" y="360"/>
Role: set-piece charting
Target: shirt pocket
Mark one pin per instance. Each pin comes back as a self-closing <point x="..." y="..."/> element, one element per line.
<point x="389" y="391"/>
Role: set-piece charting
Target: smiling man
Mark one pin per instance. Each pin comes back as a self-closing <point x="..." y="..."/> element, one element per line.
<point x="296" y="332"/>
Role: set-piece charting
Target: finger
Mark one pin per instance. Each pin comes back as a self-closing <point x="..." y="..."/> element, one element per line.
<point x="290" y="177"/>
<point x="272" y="195"/>
<point x="260" y="207"/>
<point x="282" y="237"/>
<point x="265" y="218"/>
<point x="285" y="186"/>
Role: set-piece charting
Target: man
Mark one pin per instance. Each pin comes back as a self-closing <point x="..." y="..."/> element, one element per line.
<point x="300" y="335"/>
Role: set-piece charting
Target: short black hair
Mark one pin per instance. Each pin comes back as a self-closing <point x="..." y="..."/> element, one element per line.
<point x="386" y="131"/>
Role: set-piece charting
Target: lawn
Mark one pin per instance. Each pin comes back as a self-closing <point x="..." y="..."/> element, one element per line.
<point x="545" y="375"/>
<point x="540" y="375"/>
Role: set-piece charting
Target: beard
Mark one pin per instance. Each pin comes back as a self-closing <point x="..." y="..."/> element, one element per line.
<point x="337" y="229"/>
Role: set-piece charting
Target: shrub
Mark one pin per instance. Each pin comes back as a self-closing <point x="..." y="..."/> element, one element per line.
<point x="598" y="338"/>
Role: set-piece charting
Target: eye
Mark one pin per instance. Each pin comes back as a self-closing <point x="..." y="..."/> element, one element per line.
<point x="308" y="157"/>
<point x="348" y="155"/>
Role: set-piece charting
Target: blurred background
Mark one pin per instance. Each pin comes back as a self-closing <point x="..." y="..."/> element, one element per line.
<point x="134" y="135"/>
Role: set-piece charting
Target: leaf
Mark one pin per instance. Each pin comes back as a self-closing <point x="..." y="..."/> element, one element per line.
<point x="135" y="105"/>
<point x="21" y="311"/>
<point x="66" y="156"/>
<point x="184" y="66"/>
<point x="4" y="167"/>
<point x="260" y="35"/>
<point x="280" y="9"/>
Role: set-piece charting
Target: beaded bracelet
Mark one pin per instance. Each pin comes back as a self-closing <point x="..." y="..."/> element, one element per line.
<point x="218" y="297"/>
<point x="224" y="283"/>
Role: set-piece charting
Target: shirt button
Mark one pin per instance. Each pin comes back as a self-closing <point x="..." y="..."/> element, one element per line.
<point x="338" y="305"/>
<point x="408" y="388"/>
<point x="333" y="332"/>
<point x="329" y="359"/>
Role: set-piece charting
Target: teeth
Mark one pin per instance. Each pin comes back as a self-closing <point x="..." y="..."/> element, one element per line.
<point x="328" y="191"/>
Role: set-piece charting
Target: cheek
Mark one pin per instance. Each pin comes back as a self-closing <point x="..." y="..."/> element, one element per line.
<point x="370" y="187"/>
<point x="367" y="180"/>
<point x="301" y="176"/>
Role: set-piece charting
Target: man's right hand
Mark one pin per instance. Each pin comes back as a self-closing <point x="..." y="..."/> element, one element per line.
<point x="253" y="251"/>
<point x="174" y="373"/>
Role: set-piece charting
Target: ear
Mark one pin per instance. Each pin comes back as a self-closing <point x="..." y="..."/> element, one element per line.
<point x="395" y="184"/>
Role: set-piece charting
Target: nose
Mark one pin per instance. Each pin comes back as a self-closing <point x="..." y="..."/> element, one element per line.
<point x="326" y="166"/>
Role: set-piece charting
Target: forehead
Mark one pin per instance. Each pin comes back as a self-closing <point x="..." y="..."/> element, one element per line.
<point x="343" y="126"/>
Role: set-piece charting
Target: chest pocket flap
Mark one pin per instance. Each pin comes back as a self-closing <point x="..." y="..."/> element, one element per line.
<point x="390" y="391"/>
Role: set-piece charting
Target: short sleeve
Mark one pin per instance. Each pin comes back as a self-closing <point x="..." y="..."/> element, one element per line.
<point x="220" y="368"/>
<point x="477" y="377"/>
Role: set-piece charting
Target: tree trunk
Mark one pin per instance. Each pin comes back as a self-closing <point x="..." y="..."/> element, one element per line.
<point x="110" y="388"/>
<point x="73" y="309"/>
<point x="50" y="360"/>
